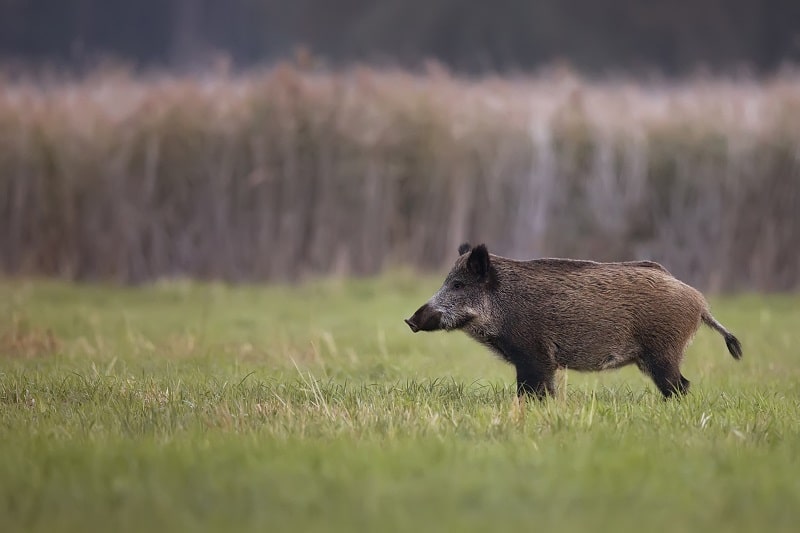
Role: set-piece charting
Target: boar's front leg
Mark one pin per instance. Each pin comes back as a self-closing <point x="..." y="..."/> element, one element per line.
<point x="536" y="367"/>
<point x="536" y="379"/>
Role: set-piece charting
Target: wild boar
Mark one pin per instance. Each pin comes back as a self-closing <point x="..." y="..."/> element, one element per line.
<point x="546" y="314"/>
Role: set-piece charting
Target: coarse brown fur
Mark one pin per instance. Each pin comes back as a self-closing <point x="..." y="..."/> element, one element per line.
<point x="546" y="314"/>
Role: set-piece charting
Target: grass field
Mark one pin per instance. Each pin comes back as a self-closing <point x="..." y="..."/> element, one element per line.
<point x="212" y="408"/>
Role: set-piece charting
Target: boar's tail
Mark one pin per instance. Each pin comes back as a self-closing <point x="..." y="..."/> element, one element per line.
<point x="734" y="346"/>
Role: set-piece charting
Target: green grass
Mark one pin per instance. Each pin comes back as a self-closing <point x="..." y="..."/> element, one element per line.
<point x="210" y="408"/>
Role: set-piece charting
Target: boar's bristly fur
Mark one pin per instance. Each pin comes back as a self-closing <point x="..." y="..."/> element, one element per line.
<point x="546" y="314"/>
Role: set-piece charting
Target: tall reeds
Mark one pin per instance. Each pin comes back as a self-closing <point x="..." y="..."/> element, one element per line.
<point x="286" y="173"/>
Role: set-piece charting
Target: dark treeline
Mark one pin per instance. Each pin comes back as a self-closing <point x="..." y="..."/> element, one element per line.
<point x="617" y="35"/>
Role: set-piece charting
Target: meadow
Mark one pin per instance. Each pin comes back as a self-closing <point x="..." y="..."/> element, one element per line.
<point x="211" y="407"/>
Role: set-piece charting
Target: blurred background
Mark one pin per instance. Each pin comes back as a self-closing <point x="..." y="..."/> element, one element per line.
<point x="259" y="140"/>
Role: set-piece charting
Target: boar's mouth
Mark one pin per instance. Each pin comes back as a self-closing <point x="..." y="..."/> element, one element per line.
<point x="425" y="319"/>
<point x="461" y="324"/>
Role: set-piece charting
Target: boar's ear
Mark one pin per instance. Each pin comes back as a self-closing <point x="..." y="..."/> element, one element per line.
<point x="464" y="248"/>
<point x="478" y="261"/>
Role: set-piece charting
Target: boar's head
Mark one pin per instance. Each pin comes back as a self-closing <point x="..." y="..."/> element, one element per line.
<point x="462" y="297"/>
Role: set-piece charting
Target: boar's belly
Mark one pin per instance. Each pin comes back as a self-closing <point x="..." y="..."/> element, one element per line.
<point x="592" y="360"/>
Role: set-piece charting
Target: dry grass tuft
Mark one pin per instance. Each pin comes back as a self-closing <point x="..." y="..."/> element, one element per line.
<point x="19" y="339"/>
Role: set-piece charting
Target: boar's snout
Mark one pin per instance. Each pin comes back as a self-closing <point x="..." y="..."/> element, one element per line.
<point x="411" y="324"/>
<point x="425" y="319"/>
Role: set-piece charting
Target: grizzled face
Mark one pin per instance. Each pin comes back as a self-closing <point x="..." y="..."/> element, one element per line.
<point x="461" y="298"/>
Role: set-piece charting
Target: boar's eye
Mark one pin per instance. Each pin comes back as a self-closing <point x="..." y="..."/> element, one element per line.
<point x="457" y="285"/>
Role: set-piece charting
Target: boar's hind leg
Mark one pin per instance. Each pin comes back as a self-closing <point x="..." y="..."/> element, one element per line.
<point x="666" y="374"/>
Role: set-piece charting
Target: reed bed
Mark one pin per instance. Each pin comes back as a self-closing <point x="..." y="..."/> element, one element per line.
<point x="287" y="173"/>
